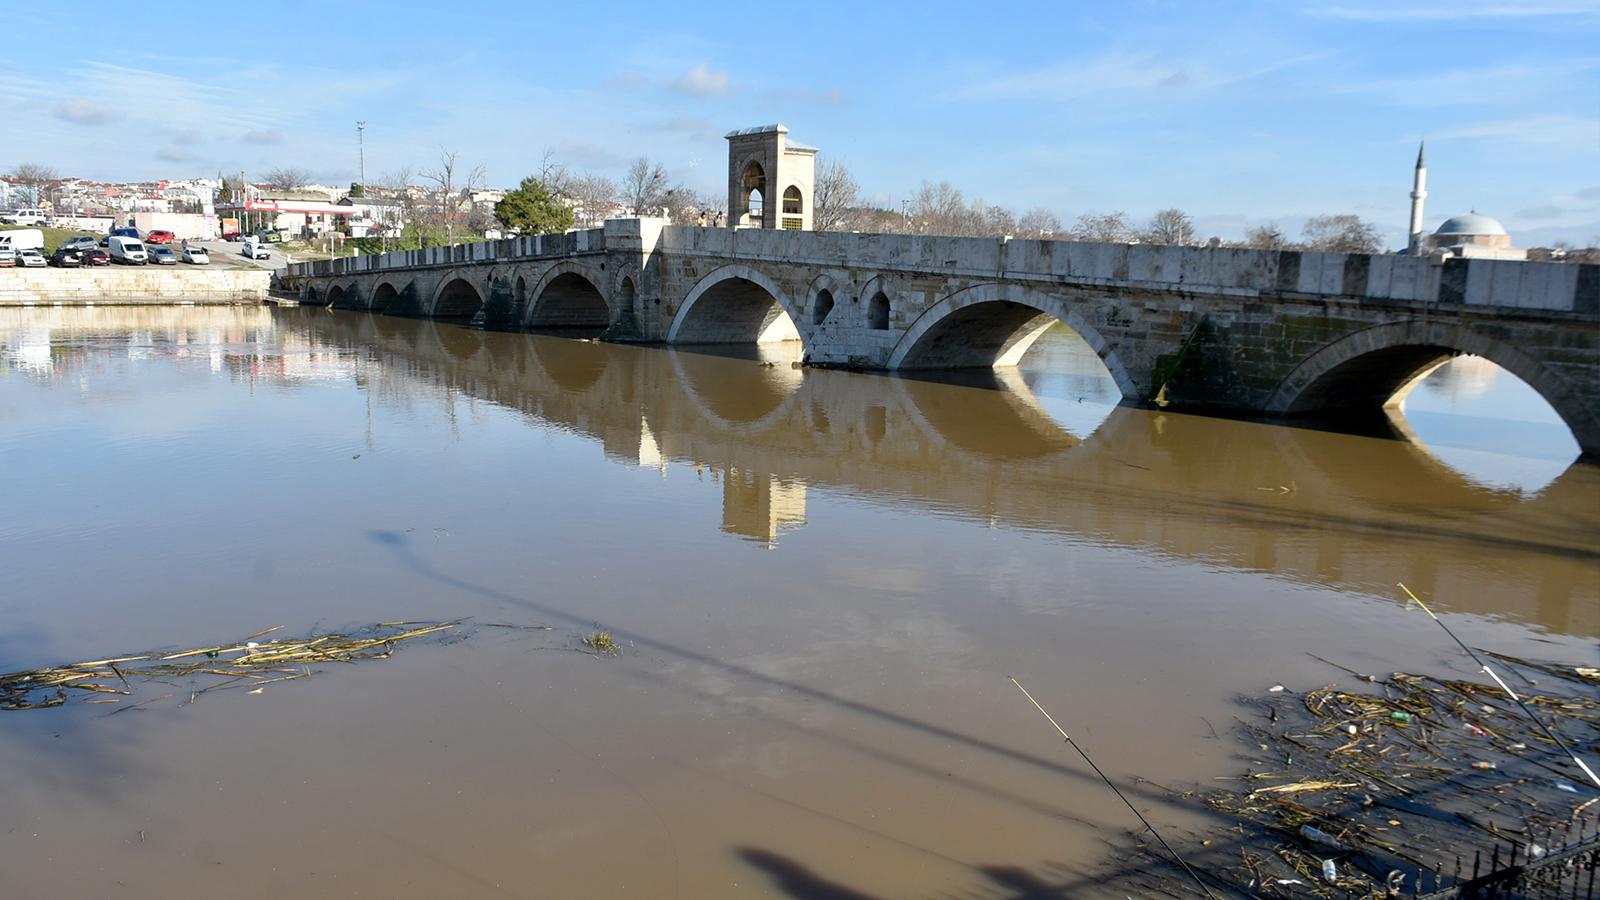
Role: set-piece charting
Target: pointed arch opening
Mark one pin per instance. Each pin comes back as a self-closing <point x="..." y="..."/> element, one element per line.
<point x="458" y="299"/>
<point x="878" y="312"/>
<point x="734" y="305"/>
<point x="382" y="296"/>
<point x="335" y="295"/>
<point x="822" y="307"/>
<point x="752" y="195"/>
<point x="569" y="304"/>
<point x="793" y="202"/>
<point x="1481" y="406"/>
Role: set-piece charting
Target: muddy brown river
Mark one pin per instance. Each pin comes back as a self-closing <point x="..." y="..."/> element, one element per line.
<point x="819" y="580"/>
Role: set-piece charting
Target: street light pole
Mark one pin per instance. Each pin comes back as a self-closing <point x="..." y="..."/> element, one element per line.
<point x="361" y="149"/>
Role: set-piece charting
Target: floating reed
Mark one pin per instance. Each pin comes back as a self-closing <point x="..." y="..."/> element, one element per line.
<point x="248" y="662"/>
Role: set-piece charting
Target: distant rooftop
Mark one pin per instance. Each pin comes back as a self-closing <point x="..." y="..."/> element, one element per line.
<point x="777" y="127"/>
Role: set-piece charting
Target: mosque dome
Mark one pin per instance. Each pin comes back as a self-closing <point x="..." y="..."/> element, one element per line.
<point x="1471" y="224"/>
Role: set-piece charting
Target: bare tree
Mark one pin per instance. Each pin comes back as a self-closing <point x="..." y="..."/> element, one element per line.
<point x="554" y="176"/>
<point x="645" y="186"/>
<point x="833" y="197"/>
<point x="1266" y="237"/>
<point x="594" y="197"/>
<point x="1110" y="228"/>
<point x="452" y="191"/>
<point x="36" y="177"/>
<point x="1170" y="226"/>
<point x="1038" y="223"/>
<point x="287" y="179"/>
<point x="1342" y="234"/>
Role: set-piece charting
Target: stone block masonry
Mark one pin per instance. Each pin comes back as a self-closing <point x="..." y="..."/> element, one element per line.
<point x="142" y="285"/>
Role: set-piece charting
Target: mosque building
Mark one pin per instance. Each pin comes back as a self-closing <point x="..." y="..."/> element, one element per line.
<point x="1472" y="236"/>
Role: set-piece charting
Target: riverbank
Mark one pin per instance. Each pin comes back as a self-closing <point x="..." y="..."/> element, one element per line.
<point x="144" y="285"/>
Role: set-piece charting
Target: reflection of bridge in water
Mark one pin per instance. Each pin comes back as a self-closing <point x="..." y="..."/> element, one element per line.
<point x="1312" y="507"/>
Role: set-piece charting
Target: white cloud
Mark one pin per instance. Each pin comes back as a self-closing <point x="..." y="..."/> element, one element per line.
<point x="81" y="111"/>
<point x="702" y="81"/>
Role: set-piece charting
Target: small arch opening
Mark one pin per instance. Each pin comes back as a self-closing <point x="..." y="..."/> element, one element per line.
<point x="522" y="292"/>
<point x="626" y="294"/>
<point x="878" y="312"/>
<point x="792" y="201"/>
<point x="822" y="307"/>
<point x="570" y="305"/>
<point x="335" y="294"/>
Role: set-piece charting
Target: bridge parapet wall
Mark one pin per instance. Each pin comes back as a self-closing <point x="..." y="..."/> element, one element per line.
<point x="508" y="250"/>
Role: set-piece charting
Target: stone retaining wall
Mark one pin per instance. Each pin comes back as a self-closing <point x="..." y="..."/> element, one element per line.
<point x="129" y="285"/>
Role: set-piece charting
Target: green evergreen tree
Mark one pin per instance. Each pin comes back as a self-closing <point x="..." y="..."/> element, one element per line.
<point x="530" y="209"/>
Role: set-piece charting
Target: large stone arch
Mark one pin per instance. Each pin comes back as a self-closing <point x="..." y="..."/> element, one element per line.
<point x="735" y="305"/>
<point x="991" y="325"/>
<point x="456" y="297"/>
<point x="1370" y="368"/>
<point x="569" y="298"/>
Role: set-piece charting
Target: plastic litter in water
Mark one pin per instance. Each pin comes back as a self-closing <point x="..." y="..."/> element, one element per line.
<point x="1480" y="764"/>
<point x="1330" y="873"/>
<point x="1349" y="729"/>
<point x="1562" y="785"/>
<point x="1401" y="717"/>
<point x="1275" y="689"/>
<point x="1318" y="836"/>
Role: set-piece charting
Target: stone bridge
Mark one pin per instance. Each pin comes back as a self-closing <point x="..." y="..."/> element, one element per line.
<point x="1249" y="332"/>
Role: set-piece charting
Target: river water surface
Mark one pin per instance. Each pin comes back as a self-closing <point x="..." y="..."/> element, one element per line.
<point x="820" y="581"/>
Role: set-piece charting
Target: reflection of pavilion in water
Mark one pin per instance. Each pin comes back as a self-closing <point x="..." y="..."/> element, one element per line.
<point x="759" y="507"/>
<point x="1318" y="508"/>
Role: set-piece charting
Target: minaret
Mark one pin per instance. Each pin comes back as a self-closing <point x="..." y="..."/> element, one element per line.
<point x="1419" y="193"/>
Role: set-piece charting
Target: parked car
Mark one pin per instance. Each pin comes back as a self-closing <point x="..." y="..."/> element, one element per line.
<point x="119" y="232"/>
<point x="8" y="257"/>
<point x="31" y="258"/>
<point x="254" y="249"/>
<point x="81" y="242"/>
<point x="94" y="256"/>
<point x="127" y="250"/>
<point x="160" y="236"/>
<point x="161" y="256"/>
<point x="196" y="256"/>
<point x="67" y="258"/>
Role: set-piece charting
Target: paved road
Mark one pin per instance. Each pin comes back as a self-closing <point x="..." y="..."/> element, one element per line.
<point x="227" y="254"/>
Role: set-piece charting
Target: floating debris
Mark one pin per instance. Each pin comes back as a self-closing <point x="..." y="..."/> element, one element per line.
<point x="243" y="663"/>
<point x="602" y="642"/>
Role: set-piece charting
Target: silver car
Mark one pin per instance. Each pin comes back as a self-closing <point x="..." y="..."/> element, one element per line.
<point x="81" y="242"/>
<point x="161" y="256"/>
<point x="31" y="259"/>
<point x="196" y="256"/>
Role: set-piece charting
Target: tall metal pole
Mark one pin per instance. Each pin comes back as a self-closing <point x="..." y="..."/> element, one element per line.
<point x="361" y="149"/>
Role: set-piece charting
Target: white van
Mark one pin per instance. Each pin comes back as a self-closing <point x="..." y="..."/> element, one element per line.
<point x="126" y="250"/>
<point x="23" y="217"/>
<point x="22" y="239"/>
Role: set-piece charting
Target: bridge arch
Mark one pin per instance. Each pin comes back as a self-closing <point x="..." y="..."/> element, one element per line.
<point x="1374" y="367"/>
<point x="992" y="325"/>
<point x="456" y="298"/>
<point x="568" y="299"/>
<point x="735" y="305"/>
<point x="335" y="295"/>
<point x="383" y="294"/>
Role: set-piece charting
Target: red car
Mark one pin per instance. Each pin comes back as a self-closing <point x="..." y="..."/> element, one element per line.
<point x="160" y="236"/>
<point x="94" y="257"/>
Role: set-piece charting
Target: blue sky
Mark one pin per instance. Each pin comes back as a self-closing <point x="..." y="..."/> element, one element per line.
<point x="1238" y="113"/>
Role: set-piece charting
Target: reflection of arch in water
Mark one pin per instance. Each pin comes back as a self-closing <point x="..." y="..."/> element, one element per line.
<point x="566" y="299"/>
<point x="455" y="341"/>
<point x="735" y="305"/>
<point x="992" y="326"/>
<point x="1368" y="369"/>
<point x="1002" y="419"/>
<point x="456" y="298"/>
<point x="737" y="394"/>
<point x="574" y="366"/>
